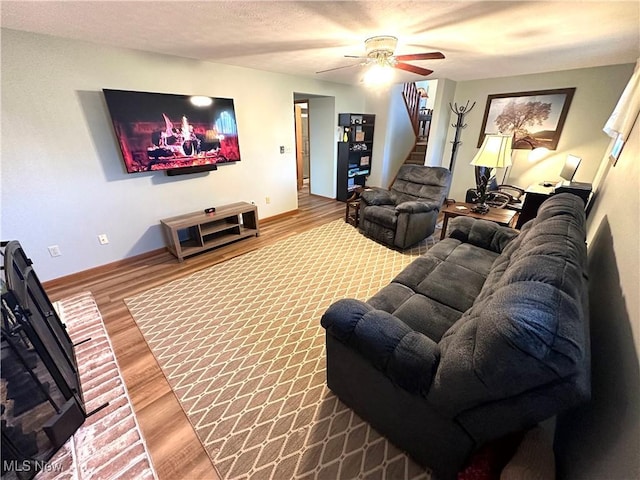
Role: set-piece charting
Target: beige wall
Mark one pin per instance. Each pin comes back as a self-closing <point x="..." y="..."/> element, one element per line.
<point x="597" y="91"/>
<point x="438" y="148"/>
<point x="63" y="182"/>
<point x="393" y="138"/>
<point x="602" y="439"/>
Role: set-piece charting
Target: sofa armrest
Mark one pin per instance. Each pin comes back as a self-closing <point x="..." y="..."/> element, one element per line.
<point x="481" y="233"/>
<point x="417" y="207"/>
<point x="407" y="357"/>
<point x="377" y="196"/>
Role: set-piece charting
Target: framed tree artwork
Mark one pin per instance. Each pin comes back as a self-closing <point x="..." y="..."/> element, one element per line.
<point x="535" y="119"/>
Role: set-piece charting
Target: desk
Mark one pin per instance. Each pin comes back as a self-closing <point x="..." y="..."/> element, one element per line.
<point x="501" y="216"/>
<point x="534" y="196"/>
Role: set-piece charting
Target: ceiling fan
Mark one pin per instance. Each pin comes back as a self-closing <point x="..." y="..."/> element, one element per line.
<point x="380" y="51"/>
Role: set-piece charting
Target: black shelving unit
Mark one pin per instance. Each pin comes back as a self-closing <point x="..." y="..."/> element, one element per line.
<point x="354" y="152"/>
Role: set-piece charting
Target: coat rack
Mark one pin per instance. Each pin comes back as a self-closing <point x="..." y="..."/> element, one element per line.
<point x="460" y="111"/>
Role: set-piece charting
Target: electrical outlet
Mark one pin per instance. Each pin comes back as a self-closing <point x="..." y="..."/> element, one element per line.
<point x="103" y="239"/>
<point x="267" y="200"/>
<point x="54" y="251"/>
<point x="282" y="149"/>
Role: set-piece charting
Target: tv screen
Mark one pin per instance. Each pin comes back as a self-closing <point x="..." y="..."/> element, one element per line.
<point x="159" y="131"/>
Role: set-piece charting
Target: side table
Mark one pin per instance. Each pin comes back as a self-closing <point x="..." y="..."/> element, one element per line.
<point x="352" y="213"/>
<point x="501" y="216"/>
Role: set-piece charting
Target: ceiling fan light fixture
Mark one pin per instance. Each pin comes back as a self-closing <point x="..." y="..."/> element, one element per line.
<point x="379" y="74"/>
<point x="383" y="45"/>
<point x="381" y="61"/>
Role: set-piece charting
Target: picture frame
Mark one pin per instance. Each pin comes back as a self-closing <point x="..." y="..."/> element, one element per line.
<point x="535" y="118"/>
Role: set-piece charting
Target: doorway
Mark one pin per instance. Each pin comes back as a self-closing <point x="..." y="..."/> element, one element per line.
<point x="303" y="170"/>
<point x="320" y="144"/>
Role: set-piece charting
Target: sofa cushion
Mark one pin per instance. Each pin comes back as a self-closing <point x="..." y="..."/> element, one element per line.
<point x="449" y="270"/>
<point x="421" y="183"/>
<point x="406" y="356"/>
<point x="384" y="215"/>
<point x="417" y="206"/>
<point x="432" y="292"/>
<point x="377" y="196"/>
<point x="526" y="328"/>
<point x="427" y="316"/>
<point x="550" y="234"/>
<point x="481" y="233"/>
<point x="453" y="285"/>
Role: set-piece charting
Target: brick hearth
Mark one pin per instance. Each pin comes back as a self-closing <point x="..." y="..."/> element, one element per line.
<point x="109" y="445"/>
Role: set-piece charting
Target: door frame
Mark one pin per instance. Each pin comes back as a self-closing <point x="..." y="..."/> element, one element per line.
<point x="299" y="142"/>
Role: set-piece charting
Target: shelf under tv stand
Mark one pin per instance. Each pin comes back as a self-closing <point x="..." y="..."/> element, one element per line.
<point x="197" y="232"/>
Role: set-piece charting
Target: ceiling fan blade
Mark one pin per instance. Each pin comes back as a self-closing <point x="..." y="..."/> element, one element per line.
<point x="421" y="56"/>
<point x="413" y="69"/>
<point x="354" y="56"/>
<point x="338" y="68"/>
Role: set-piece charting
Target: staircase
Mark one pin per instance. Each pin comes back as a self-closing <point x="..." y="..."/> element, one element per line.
<point x="412" y="102"/>
<point x="417" y="155"/>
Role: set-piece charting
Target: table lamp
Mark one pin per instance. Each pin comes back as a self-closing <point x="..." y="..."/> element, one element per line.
<point x="495" y="152"/>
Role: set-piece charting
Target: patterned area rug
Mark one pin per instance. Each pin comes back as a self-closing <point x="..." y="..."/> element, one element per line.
<point x="242" y="347"/>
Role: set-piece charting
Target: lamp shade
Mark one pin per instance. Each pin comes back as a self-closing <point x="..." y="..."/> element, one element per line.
<point x="495" y="152"/>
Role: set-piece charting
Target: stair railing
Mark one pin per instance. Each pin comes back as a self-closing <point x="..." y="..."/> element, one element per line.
<point x="412" y="102"/>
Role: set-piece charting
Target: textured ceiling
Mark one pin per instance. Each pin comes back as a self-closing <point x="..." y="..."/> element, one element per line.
<point x="480" y="39"/>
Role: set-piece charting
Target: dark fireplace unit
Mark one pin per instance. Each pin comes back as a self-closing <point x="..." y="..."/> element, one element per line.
<point x="42" y="404"/>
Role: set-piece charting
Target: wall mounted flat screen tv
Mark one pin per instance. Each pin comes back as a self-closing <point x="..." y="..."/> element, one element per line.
<point x="159" y="131"/>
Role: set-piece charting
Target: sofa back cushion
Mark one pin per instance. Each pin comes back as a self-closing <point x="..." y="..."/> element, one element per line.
<point x="528" y="326"/>
<point x="419" y="182"/>
<point x="432" y="292"/>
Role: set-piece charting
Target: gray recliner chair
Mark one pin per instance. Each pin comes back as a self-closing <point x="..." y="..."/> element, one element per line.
<point x="406" y="213"/>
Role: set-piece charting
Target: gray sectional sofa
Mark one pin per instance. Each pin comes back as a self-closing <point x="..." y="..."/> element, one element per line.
<point x="485" y="334"/>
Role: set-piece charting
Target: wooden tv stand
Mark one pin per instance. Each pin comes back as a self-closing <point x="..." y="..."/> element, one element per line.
<point x="196" y="232"/>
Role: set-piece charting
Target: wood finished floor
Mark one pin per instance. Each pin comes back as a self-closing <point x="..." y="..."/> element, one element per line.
<point x="174" y="447"/>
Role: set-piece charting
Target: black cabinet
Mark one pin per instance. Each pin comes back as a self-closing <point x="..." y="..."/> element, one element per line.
<point x="354" y="152"/>
<point x="538" y="193"/>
